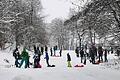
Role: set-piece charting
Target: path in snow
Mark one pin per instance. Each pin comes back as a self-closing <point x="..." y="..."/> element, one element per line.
<point x="60" y="72"/>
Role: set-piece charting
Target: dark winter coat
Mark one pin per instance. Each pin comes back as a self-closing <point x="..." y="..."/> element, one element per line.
<point x="94" y="50"/>
<point x="105" y="54"/>
<point x="46" y="56"/>
<point x="81" y="53"/>
<point x="100" y="51"/>
<point x="92" y="55"/>
<point x="68" y="57"/>
<point x="76" y="50"/>
<point x="42" y="49"/>
<point x="46" y="48"/>
<point x="16" y="53"/>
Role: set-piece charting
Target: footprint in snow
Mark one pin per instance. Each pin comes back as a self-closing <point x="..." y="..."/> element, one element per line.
<point x="22" y="77"/>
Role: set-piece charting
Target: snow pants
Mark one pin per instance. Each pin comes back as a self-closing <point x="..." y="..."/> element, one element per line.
<point x="69" y="64"/>
<point x="26" y="62"/>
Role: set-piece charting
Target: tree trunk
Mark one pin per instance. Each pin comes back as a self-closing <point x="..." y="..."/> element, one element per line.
<point x="90" y="32"/>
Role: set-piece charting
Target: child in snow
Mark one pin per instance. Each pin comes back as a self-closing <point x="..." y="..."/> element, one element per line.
<point x="68" y="60"/>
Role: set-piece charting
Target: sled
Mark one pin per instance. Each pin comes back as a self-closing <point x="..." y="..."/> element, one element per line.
<point x="56" y="56"/>
<point x="98" y="62"/>
<point x="81" y="65"/>
<point x="39" y="66"/>
<point x="51" y="66"/>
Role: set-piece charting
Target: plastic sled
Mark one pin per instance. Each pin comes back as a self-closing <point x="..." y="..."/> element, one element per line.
<point x="97" y="62"/>
<point x="39" y="66"/>
<point x="51" y="66"/>
<point x="56" y="56"/>
<point x="81" y="65"/>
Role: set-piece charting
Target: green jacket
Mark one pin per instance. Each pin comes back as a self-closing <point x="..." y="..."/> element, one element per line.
<point x="24" y="54"/>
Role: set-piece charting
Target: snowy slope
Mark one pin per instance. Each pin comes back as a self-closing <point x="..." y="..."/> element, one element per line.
<point x="60" y="72"/>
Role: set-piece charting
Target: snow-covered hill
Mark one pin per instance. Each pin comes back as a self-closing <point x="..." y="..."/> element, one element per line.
<point x="60" y="72"/>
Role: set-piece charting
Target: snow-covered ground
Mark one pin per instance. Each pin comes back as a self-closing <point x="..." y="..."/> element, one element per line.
<point x="60" y="72"/>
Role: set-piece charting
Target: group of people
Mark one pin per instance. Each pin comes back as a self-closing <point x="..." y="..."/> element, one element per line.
<point x="24" y="56"/>
<point x="93" y="54"/>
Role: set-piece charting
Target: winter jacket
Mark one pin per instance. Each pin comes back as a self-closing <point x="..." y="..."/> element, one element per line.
<point x="100" y="51"/>
<point x="68" y="57"/>
<point x="24" y="54"/>
<point x="16" y="54"/>
<point x="46" y="56"/>
<point x="82" y="53"/>
<point x="46" y="48"/>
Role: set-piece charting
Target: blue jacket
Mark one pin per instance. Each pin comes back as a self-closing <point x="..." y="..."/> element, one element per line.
<point x="46" y="56"/>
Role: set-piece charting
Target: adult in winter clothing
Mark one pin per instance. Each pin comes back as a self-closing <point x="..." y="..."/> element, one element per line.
<point x="92" y="55"/>
<point x="100" y="53"/>
<point x="77" y="51"/>
<point x="54" y="50"/>
<point x="105" y="55"/>
<point x="118" y="52"/>
<point x="37" y="58"/>
<point x="16" y="54"/>
<point x="69" y="60"/>
<point x="46" y="48"/>
<point x="47" y="58"/>
<point x="51" y="51"/>
<point x="25" y="58"/>
<point x="94" y="50"/>
<point x="81" y="55"/>
<point x="42" y="50"/>
<point x="60" y="52"/>
<point x="35" y="49"/>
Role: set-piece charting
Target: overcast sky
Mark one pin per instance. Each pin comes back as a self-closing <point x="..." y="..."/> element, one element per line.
<point x="55" y="9"/>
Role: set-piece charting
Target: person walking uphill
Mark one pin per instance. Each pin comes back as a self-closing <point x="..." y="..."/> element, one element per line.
<point x="68" y="60"/>
<point x="25" y="58"/>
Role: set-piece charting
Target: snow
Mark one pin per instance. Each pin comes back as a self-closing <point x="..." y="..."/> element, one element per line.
<point x="60" y="72"/>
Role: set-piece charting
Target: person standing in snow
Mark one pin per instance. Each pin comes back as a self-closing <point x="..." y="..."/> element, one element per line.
<point x="25" y="57"/>
<point x="42" y="50"/>
<point x="46" y="48"/>
<point x="69" y="60"/>
<point x="36" y="57"/>
<point x="47" y="58"/>
<point x="100" y="53"/>
<point x="16" y="54"/>
<point x="51" y="51"/>
<point x="60" y="52"/>
<point x="105" y="55"/>
<point x="54" y="50"/>
<point x="94" y="50"/>
<point x="82" y="55"/>
<point x="92" y="55"/>
<point x="77" y="51"/>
